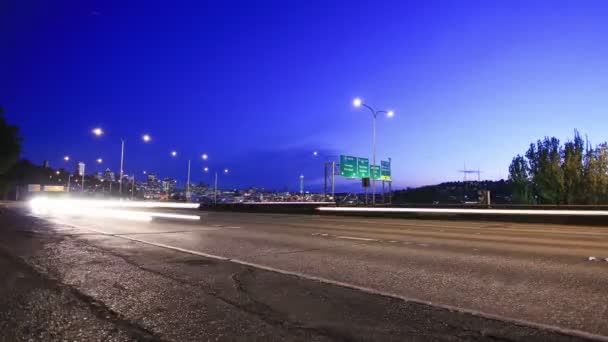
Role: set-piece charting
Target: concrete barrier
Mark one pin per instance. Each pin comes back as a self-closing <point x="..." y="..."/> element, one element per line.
<point x="270" y="207"/>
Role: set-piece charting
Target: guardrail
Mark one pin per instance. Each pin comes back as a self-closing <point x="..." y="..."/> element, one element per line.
<point x="270" y="207"/>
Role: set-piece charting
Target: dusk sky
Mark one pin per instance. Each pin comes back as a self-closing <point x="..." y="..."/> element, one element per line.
<point x="260" y="85"/>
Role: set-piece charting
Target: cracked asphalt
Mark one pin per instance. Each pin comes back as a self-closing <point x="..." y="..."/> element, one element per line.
<point x="108" y="280"/>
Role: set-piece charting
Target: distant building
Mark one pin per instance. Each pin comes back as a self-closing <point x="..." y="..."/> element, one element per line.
<point x="151" y="178"/>
<point x="169" y="184"/>
<point x="99" y="176"/>
<point x="109" y="176"/>
<point x="46" y="164"/>
<point x="80" y="169"/>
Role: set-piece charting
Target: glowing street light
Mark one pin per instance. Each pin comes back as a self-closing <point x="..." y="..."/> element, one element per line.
<point x="173" y="153"/>
<point x="98" y="131"/>
<point x="205" y="169"/>
<point x="315" y="153"/>
<point x="57" y="172"/>
<point x="225" y="170"/>
<point x="204" y="156"/>
<point x="99" y="160"/>
<point x="357" y="102"/>
<point x="66" y="158"/>
<point x="146" y="137"/>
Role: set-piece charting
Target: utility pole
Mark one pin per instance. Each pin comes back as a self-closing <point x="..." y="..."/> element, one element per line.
<point x="133" y="187"/>
<point x="188" y="183"/>
<point x="215" y="190"/>
<point x="122" y="157"/>
<point x="301" y="184"/>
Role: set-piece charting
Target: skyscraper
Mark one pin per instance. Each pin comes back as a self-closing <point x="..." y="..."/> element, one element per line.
<point x="80" y="168"/>
<point x="108" y="175"/>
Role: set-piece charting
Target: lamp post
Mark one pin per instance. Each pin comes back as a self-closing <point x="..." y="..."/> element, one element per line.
<point x="357" y="102"/>
<point x="206" y="169"/>
<point x="145" y="137"/>
<point x="204" y="156"/>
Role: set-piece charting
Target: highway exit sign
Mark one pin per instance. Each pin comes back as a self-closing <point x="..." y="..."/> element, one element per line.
<point x="355" y="167"/>
<point x="385" y="171"/>
<point x="362" y="168"/>
<point x="348" y="166"/>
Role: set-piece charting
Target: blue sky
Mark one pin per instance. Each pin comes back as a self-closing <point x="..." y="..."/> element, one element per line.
<point x="259" y="85"/>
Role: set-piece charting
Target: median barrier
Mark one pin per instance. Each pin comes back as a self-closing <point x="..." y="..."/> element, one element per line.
<point x="571" y="216"/>
<point x="270" y="207"/>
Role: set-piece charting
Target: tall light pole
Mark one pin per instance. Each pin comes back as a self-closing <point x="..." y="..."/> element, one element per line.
<point x="188" y="184"/>
<point x="206" y="169"/>
<point x="122" y="159"/>
<point x="357" y="102"/>
<point x="204" y="156"/>
<point x="145" y="137"/>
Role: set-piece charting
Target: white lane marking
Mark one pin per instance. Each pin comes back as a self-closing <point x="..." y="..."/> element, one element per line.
<point x="324" y="234"/>
<point x="566" y="331"/>
<point x="233" y="227"/>
<point x="355" y="238"/>
<point x="176" y="216"/>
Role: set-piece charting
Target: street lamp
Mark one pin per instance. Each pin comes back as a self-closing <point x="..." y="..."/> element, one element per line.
<point x="204" y="156"/>
<point x="99" y="132"/>
<point x="206" y="169"/>
<point x="99" y="160"/>
<point x="66" y="158"/>
<point x="357" y="102"/>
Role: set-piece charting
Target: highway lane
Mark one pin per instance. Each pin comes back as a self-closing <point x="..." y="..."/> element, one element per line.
<point x="534" y="273"/>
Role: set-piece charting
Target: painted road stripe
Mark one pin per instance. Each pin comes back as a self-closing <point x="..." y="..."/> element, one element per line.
<point x="355" y="238"/>
<point x="369" y="290"/>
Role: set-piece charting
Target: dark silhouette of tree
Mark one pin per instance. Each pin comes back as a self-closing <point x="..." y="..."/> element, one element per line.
<point x="10" y="144"/>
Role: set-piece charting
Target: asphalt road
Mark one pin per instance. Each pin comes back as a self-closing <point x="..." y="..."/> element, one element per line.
<point x="236" y="276"/>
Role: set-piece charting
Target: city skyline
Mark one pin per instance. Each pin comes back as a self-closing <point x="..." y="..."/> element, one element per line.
<point x="470" y="84"/>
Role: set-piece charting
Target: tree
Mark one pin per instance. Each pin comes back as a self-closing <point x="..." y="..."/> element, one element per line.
<point x="573" y="170"/>
<point x="545" y="170"/>
<point x="10" y="149"/>
<point x="518" y="174"/>
<point x="10" y="144"/>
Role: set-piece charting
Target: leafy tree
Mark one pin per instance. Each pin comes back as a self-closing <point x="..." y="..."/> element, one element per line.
<point x="518" y="174"/>
<point x="546" y="170"/>
<point x="573" y="170"/>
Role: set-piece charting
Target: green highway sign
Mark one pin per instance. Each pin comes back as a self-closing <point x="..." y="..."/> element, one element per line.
<point x="354" y="167"/>
<point x="348" y="166"/>
<point x="385" y="171"/>
<point x="362" y="168"/>
<point x="375" y="171"/>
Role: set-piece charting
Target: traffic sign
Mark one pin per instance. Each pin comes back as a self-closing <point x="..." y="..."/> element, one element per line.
<point x="354" y="167"/>
<point x="348" y="166"/>
<point x="375" y="172"/>
<point x="385" y="171"/>
<point x="362" y="168"/>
